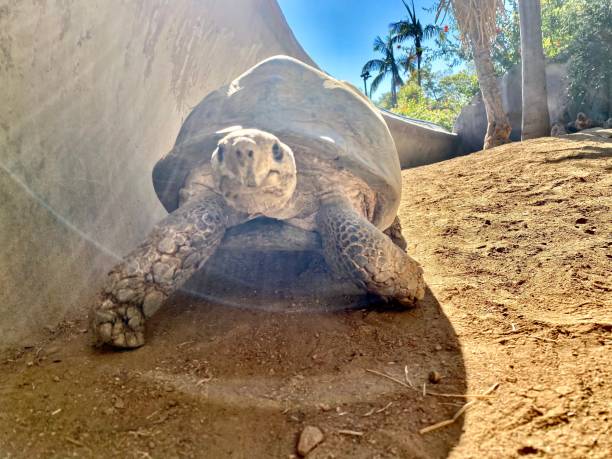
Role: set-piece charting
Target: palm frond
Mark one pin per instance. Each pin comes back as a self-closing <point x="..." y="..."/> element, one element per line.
<point x="407" y="62"/>
<point x="406" y="32"/>
<point x="376" y="82"/>
<point x="411" y="12"/>
<point x="379" y="45"/>
<point x="374" y="65"/>
<point x="431" y="30"/>
<point x="396" y="29"/>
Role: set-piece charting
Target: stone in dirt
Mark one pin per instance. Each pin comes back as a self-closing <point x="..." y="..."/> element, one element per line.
<point x="309" y="438"/>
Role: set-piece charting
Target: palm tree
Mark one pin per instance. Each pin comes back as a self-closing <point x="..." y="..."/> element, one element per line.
<point x="411" y="29"/>
<point x="406" y="62"/>
<point x="476" y="21"/>
<point x="387" y="66"/>
<point x="536" y="120"/>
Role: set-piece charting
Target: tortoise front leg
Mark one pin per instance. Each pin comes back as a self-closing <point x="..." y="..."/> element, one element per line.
<point x="175" y="249"/>
<point x="356" y="249"/>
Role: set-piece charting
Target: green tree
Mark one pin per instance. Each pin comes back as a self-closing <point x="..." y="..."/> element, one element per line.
<point x="438" y="100"/>
<point x="589" y="52"/>
<point x="458" y="88"/>
<point x="386" y="66"/>
<point x="412" y="102"/>
<point x="411" y="29"/>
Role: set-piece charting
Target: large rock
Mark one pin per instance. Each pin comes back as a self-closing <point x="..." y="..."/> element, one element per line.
<point x="93" y="94"/>
<point x="471" y="125"/>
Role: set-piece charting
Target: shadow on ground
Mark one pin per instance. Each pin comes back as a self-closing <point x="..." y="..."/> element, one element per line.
<point x="222" y="381"/>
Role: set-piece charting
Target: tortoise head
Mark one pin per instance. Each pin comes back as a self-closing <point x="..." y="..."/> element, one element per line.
<point x="254" y="171"/>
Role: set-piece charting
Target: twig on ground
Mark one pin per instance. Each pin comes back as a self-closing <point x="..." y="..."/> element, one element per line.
<point x="205" y="380"/>
<point x="369" y="413"/>
<point x="384" y="375"/>
<point x="435" y="394"/>
<point x="384" y="407"/>
<point x="75" y="442"/>
<point x="350" y="432"/>
<point x="456" y="416"/>
<point x="448" y="422"/>
<point x="406" y="376"/>
<point x="374" y="410"/>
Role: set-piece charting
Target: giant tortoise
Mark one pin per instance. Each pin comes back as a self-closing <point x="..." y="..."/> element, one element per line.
<point x="283" y="141"/>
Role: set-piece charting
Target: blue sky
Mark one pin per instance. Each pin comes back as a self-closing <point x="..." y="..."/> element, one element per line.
<point x="338" y="34"/>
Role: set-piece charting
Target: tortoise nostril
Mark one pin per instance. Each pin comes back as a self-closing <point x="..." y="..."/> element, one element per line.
<point x="250" y="153"/>
<point x="277" y="153"/>
<point x="238" y="153"/>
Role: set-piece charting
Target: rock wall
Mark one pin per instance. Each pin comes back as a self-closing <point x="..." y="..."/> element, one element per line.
<point x="92" y="94"/>
<point x="471" y="125"/>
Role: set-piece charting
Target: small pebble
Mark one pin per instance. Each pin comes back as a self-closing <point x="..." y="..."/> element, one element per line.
<point x="309" y="438"/>
<point x="56" y="378"/>
<point x="438" y="347"/>
<point x="434" y="377"/>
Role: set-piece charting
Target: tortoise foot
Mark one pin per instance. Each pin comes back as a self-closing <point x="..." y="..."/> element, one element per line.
<point x="118" y="325"/>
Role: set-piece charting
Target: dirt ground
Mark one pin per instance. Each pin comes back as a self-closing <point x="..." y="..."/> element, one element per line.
<point x="516" y="244"/>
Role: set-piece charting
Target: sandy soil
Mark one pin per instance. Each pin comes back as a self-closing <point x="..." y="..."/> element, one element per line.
<point x="517" y="248"/>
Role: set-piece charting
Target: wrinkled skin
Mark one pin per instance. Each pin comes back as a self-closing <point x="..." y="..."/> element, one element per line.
<point x="254" y="174"/>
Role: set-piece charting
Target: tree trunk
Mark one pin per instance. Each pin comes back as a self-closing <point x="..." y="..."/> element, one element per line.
<point x="536" y="120"/>
<point x="498" y="127"/>
<point x="419" y="55"/>
<point x="393" y="93"/>
<point x="609" y="77"/>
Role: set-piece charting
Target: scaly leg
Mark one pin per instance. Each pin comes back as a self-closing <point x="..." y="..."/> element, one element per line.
<point x="355" y="248"/>
<point x="136" y="288"/>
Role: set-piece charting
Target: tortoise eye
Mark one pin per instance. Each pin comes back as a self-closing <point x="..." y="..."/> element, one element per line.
<point x="277" y="152"/>
<point x="220" y="153"/>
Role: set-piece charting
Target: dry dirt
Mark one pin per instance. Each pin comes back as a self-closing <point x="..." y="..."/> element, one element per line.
<point x="517" y="248"/>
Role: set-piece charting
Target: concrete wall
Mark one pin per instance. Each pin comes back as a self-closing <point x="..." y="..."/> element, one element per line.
<point x="92" y="94"/>
<point x="420" y="142"/>
<point x="471" y="125"/>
